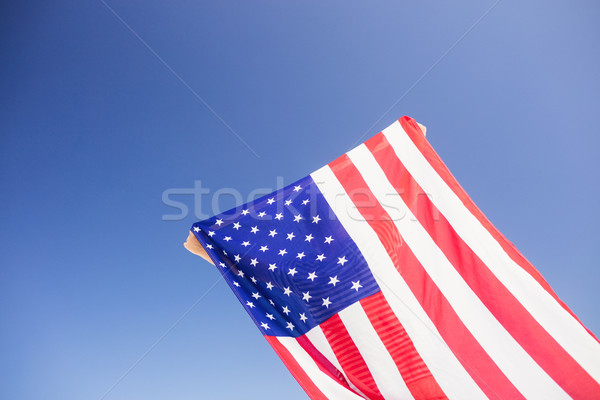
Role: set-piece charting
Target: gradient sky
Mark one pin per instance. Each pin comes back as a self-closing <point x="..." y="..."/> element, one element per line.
<point x="94" y="128"/>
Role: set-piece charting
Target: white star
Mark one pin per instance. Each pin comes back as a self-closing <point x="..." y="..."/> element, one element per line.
<point x="254" y="229"/>
<point x="287" y="291"/>
<point x="328" y="239"/>
<point x="272" y="267"/>
<point x="264" y="248"/>
<point x="273" y="233"/>
<point x="222" y="264"/>
<point x="272" y="302"/>
<point x="264" y="325"/>
<point x="326" y="302"/>
<point x="219" y="222"/>
<point x="305" y="202"/>
<point x="224" y="252"/>
<point x="312" y="276"/>
<point x="262" y="214"/>
<point x="306" y="296"/>
<point x="237" y="258"/>
<point x="245" y="212"/>
<point x="236" y="284"/>
<point x="297" y="218"/>
<point x="290" y="236"/>
<point x="250" y="304"/>
<point x="300" y="255"/>
<point x="241" y="273"/>
<point x="236" y="225"/>
<point x="253" y="279"/>
<point x="290" y="326"/>
<point x="297" y="188"/>
<point x="316" y="219"/>
<point x="227" y="238"/>
<point x="342" y="260"/>
<point x="256" y="295"/>
<point x="211" y="233"/>
<point x="292" y="271"/>
<point x="356" y="285"/>
<point x="196" y="229"/>
<point x="245" y="244"/>
<point x="333" y="280"/>
<point x="309" y="237"/>
<point x="286" y="310"/>
<point x="288" y="202"/>
<point x="270" y="316"/>
<point x="321" y="257"/>
<point x="303" y="317"/>
<point x="210" y="246"/>
<point x="271" y="201"/>
<point x="269" y="286"/>
<point x="282" y="252"/>
<point x="253" y="262"/>
<point x="278" y="216"/>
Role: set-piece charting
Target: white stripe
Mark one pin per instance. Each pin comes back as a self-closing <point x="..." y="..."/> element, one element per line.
<point x="330" y="388"/>
<point x="318" y="339"/>
<point x="518" y="366"/>
<point x="381" y="364"/>
<point x="558" y="322"/>
<point x="443" y="365"/>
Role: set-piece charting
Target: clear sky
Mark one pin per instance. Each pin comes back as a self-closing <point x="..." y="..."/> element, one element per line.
<point x="94" y="128"/>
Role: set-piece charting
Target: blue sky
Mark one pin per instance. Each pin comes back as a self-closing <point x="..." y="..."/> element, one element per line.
<point x="94" y="129"/>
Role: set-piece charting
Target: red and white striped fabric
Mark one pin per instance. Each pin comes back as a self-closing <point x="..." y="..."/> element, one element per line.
<point x="427" y="300"/>
<point x="461" y="313"/>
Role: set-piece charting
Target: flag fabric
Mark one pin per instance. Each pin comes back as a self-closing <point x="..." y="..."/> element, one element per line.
<point x="377" y="277"/>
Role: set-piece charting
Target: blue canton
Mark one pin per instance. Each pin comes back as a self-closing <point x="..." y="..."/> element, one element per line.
<point x="288" y="259"/>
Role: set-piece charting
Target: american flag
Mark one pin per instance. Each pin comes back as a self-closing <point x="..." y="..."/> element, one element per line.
<point x="377" y="277"/>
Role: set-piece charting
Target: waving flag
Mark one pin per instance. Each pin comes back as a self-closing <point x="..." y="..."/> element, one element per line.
<point x="377" y="277"/>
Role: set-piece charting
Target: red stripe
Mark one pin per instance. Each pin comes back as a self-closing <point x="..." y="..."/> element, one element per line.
<point x="292" y="365"/>
<point x="538" y="343"/>
<point x="349" y="357"/>
<point x="411" y="127"/>
<point x="323" y="363"/>
<point x="469" y="352"/>
<point x="421" y="384"/>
